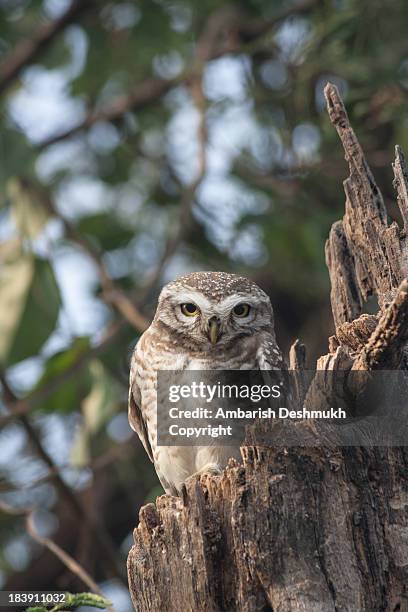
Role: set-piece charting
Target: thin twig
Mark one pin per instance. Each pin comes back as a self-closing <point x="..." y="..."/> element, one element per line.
<point x="385" y="347"/>
<point x="112" y="294"/>
<point x="28" y="50"/>
<point x="69" y="562"/>
<point x="207" y="42"/>
<point x="100" y="536"/>
<point x="73" y="566"/>
<point x="18" y="407"/>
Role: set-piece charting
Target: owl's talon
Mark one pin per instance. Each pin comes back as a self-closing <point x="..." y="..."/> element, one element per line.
<point x="208" y="470"/>
<point x="211" y="471"/>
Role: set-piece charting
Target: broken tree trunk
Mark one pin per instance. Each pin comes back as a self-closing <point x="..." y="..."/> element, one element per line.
<point x="307" y="528"/>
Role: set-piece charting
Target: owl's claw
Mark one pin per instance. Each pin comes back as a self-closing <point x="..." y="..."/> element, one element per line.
<point x="208" y="470"/>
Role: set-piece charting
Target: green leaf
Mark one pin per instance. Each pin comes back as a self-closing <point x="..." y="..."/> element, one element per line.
<point x="100" y="404"/>
<point x="105" y="230"/>
<point x="69" y="393"/>
<point x="97" y="407"/>
<point x="29" y="306"/>
<point x="38" y="317"/>
<point x="73" y="601"/>
<point x="15" y="280"/>
<point x="27" y="209"/>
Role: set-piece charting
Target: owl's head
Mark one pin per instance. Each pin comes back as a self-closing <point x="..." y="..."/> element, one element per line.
<point x="213" y="308"/>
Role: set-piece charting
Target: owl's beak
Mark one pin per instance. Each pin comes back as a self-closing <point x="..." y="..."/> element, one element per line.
<point x="213" y="330"/>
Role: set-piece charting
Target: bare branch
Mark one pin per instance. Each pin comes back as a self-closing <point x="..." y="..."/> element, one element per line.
<point x="112" y="294"/>
<point x="364" y="251"/>
<point x="73" y="566"/>
<point x="386" y="344"/>
<point x="100" y="536"/>
<point x="146" y="92"/>
<point x="28" y="50"/>
<point x="70" y="563"/>
<point x="151" y="90"/>
<point x="19" y="407"/>
<point x="401" y="184"/>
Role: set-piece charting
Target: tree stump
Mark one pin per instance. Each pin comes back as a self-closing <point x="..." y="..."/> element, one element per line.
<point x="307" y="528"/>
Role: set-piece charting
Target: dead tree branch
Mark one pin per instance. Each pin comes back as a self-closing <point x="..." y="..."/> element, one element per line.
<point x="364" y="251"/>
<point x="73" y="566"/>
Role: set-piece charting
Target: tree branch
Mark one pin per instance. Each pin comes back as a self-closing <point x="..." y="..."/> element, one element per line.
<point x="151" y="90"/>
<point x="19" y="407"/>
<point x="386" y="344"/>
<point x="28" y="50"/>
<point x="69" y="562"/>
<point x="205" y="46"/>
<point x="363" y="252"/>
<point x="100" y="536"/>
<point x="146" y="92"/>
<point x="112" y="294"/>
<point x="73" y="566"/>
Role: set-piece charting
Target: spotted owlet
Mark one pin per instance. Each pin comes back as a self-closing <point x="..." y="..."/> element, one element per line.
<point x="204" y="321"/>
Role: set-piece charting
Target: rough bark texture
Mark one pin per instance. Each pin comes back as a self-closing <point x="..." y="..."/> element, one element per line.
<point x="306" y="528"/>
<point x="365" y="253"/>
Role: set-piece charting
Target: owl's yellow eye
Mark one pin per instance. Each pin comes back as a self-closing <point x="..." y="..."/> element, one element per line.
<point x="189" y="309"/>
<point x="241" y="310"/>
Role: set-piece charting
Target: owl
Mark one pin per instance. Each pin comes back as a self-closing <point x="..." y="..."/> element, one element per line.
<point x="203" y="321"/>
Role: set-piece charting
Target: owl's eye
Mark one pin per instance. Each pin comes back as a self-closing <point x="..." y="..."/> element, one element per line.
<point x="241" y="310"/>
<point x="189" y="309"/>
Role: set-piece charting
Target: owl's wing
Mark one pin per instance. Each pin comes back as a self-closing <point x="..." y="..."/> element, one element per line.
<point x="268" y="354"/>
<point x="136" y="420"/>
<point x="272" y="365"/>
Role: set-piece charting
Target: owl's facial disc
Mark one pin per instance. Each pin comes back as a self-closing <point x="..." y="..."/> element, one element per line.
<point x="212" y="323"/>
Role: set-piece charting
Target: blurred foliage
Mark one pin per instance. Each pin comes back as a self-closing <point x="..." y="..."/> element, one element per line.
<point x="271" y="190"/>
<point x="74" y="601"/>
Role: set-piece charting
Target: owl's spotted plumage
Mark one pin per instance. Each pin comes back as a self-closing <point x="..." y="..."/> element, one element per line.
<point x="203" y="321"/>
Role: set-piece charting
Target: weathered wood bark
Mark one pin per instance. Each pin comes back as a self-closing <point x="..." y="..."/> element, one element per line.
<point x="305" y="528"/>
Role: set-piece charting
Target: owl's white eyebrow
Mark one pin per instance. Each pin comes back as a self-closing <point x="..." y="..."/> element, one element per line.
<point x="232" y="300"/>
<point x="194" y="296"/>
<point x="223" y="307"/>
<point x="227" y="304"/>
